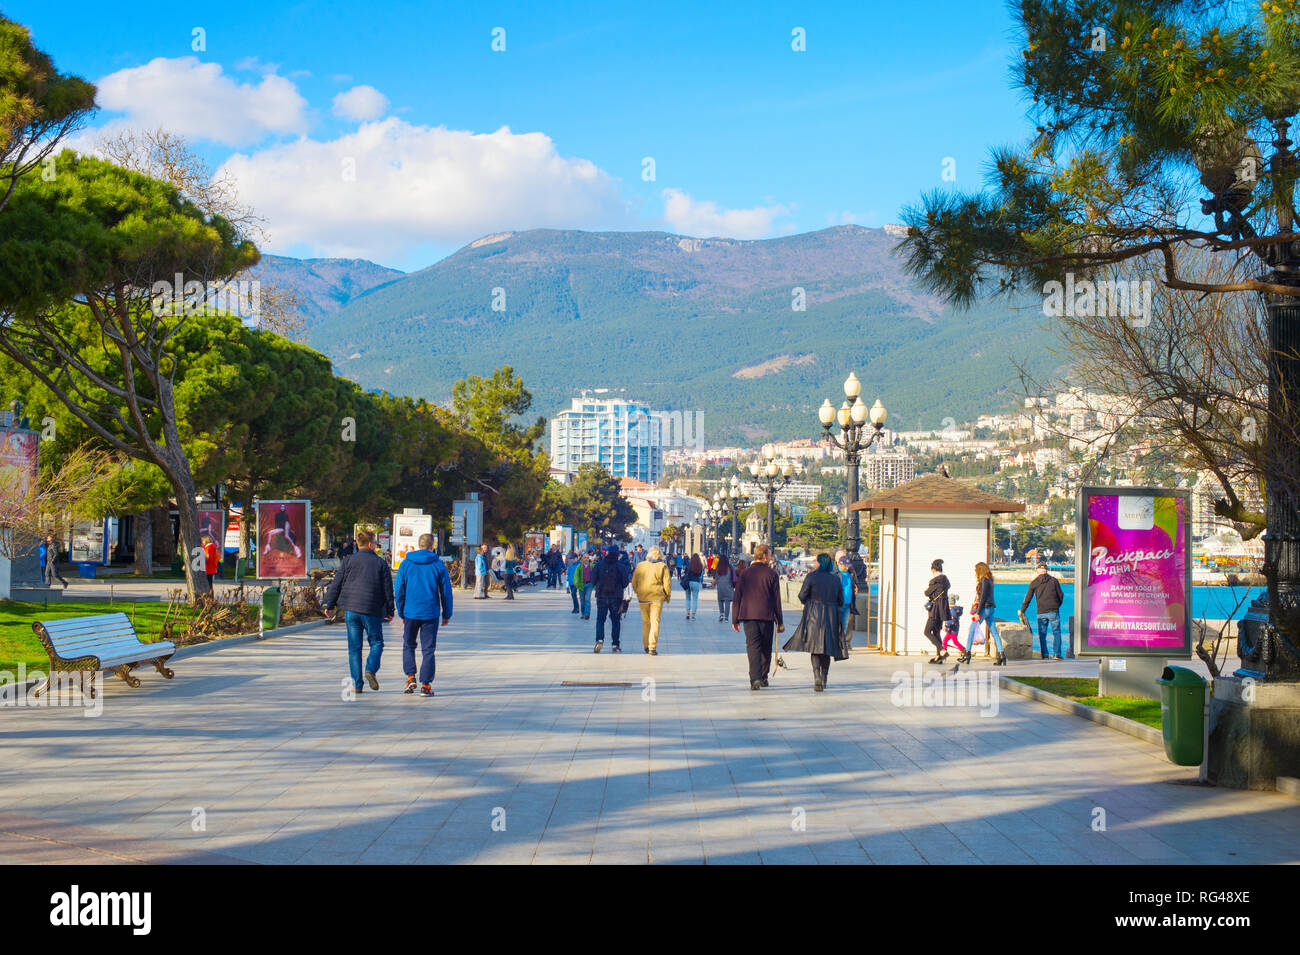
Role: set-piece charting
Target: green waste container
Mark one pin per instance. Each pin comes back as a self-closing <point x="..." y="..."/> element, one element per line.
<point x="241" y="568"/>
<point x="270" y="608"/>
<point x="1182" y="715"/>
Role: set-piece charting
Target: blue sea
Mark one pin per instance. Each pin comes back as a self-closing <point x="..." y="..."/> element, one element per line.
<point x="1208" y="602"/>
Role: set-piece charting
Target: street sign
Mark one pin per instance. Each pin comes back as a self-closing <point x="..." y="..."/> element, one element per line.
<point x="467" y="523"/>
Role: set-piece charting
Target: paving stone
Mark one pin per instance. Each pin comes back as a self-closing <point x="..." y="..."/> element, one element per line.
<point x="258" y="736"/>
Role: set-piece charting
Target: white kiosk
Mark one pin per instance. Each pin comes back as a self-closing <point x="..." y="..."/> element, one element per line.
<point x="931" y="517"/>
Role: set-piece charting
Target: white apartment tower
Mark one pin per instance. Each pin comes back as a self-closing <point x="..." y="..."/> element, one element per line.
<point x="626" y="437"/>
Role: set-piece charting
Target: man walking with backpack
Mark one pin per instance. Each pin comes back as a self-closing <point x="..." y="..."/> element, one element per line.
<point x="611" y="578"/>
<point x="423" y="596"/>
<point x="363" y="587"/>
<point x="1046" y="590"/>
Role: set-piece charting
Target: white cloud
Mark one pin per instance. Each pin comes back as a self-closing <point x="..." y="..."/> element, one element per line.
<point x="360" y="103"/>
<point x="418" y="185"/>
<point x="704" y="219"/>
<point x="198" y="101"/>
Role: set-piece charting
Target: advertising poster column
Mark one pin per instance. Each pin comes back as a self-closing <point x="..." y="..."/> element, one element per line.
<point x="1133" y="597"/>
<point x="407" y="529"/>
<point x="283" y="539"/>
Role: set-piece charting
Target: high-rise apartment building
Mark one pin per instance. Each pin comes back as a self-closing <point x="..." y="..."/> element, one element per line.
<point x="625" y="437"/>
<point x="886" y="469"/>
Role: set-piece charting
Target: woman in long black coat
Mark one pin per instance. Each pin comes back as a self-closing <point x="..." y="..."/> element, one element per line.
<point x="937" y="595"/>
<point x="818" y="633"/>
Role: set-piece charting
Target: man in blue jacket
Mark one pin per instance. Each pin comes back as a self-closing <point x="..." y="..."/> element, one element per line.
<point x="423" y="595"/>
<point x="481" y="573"/>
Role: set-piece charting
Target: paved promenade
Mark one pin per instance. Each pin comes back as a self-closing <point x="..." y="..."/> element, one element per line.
<point x="517" y="761"/>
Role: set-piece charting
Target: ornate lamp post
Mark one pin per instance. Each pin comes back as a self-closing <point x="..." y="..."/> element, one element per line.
<point x="773" y="475"/>
<point x="855" y="437"/>
<point x="727" y="501"/>
<point x="1230" y="169"/>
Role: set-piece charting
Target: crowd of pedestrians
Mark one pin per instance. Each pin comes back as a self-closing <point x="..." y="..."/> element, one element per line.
<point x="749" y="595"/>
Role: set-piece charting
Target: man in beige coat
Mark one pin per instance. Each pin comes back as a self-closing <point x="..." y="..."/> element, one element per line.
<point x="652" y="582"/>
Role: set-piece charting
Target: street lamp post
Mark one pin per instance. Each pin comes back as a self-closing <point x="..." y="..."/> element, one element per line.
<point x="727" y="502"/>
<point x="1228" y="171"/>
<point x="775" y="475"/>
<point x="855" y="437"/>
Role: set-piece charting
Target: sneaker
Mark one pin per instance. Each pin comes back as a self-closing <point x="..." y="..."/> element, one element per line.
<point x="763" y="681"/>
<point x="616" y="649"/>
<point x="756" y="685"/>
<point x="370" y="678"/>
<point x="654" y="653"/>
<point x="426" y="689"/>
<point x="599" y="644"/>
<point x="646" y="649"/>
<point x="818" y="686"/>
<point x="358" y="690"/>
<point x="410" y="685"/>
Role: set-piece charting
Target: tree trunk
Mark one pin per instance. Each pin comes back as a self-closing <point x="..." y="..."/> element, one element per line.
<point x="143" y="526"/>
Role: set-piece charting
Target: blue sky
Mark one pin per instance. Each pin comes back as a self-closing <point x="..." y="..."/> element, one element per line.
<point x="448" y="140"/>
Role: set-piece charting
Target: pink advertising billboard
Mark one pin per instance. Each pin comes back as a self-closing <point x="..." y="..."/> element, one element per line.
<point x="1133" y="593"/>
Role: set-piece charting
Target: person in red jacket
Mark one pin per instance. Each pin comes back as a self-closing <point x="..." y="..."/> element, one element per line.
<point x="211" y="557"/>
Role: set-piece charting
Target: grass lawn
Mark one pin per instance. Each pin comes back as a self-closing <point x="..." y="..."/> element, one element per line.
<point x="19" y="644"/>
<point x="1084" y="690"/>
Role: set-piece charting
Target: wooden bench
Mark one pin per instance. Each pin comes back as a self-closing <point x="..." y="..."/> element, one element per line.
<point x="102" y="642"/>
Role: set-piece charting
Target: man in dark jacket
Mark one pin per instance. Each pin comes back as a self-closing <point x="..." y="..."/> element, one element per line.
<point x="611" y="578"/>
<point x="423" y="596"/>
<point x="757" y="604"/>
<point x="363" y="587"/>
<point x="1046" y="590"/>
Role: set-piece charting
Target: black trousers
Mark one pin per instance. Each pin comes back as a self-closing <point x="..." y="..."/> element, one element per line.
<point x="608" y="609"/>
<point x="933" y="626"/>
<point x="821" y="665"/>
<point x="758" y="645"/>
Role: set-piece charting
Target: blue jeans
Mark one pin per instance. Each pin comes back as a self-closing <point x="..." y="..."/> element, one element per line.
<point x="1052" y="620"/>
<point x="586" y="601"/>
<point x="426" y="631"/>
<point x="692" y="596"/>
<point x="987" y="616"/>
<point x="573" y="592"/>
<point x="373" y="628"/>
<point x="844" y="618"/>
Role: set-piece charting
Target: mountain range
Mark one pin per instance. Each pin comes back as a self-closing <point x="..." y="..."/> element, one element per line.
<point x="752" y="334"/>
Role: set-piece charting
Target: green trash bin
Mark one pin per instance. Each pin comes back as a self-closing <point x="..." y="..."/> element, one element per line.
<point x="241" y="568"/>
<point x="1182" y="715"/>
<point x="270" y="608"/>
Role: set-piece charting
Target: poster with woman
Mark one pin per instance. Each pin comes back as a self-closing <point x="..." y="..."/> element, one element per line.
<point x="213" y="523"/>
<point x="283" y="541"/>
<point x="19" y="463"/>
<point x="1137" y="582"/>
